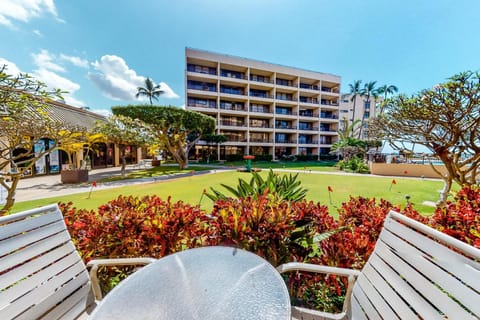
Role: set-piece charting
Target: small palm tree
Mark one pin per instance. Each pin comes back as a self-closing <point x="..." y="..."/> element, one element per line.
<point x="386" y="90"/>
<point x="368" y="91"/>
<point x="355" y="91"/>
<point x="150" y="90"/>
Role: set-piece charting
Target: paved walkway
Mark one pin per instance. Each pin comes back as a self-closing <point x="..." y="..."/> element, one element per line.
<point x="50" y="186"/>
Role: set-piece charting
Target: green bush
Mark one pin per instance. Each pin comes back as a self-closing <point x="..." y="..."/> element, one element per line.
<point x="281" y="187"/>
<point x="354" y="164"/>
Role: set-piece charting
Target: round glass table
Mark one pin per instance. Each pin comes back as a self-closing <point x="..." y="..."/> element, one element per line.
<point x="209" y="283"/>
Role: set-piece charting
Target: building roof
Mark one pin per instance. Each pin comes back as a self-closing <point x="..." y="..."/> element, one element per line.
<point x="72" y="115"/>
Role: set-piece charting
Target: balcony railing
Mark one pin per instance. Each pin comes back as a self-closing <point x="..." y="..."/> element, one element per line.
<point x="261" y="79"/>
<point x="307" y="114"/>
<point x="261" y="140"/>
<point x="232" y="108"/>
<point x="291" y="141"/>
<point x="326" y="116"/>
<point x="201" y="69"/>
<point x="308" y="86"/>
<point x="232" y="74"/>
<point x="327" y="130"/>
<point x="286" y="113"/>
<point x="260" y="110"/>
<point x="309" y="100"/>
<point x="253" y="125"/>
<point x="199" y="105"/>
<point x="285" y="83"/>
<point x="286" y="127"/>
<point x="285" y="98"/>
<point x="307" y="142"/>
<point x="261" y="95"/>
<point x="328" y="89"/>
<point x="308" y="128"/>
<point x="329" y="103"/>
<point x="202" y="88"/>
<point x="236" y="139"/>
<point x="232" y="91"/>
<point x="232" y="123"/>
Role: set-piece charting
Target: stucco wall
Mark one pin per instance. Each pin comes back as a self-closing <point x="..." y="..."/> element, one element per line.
<point x="406" y="170"/>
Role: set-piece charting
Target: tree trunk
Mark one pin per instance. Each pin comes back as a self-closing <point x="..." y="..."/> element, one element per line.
<point x="447" y="185"/>
<point x="124" y="165"/>
<point x="10" y="201"/>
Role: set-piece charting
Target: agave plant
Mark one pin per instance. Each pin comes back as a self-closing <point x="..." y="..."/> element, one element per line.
<point x="285" y="187"/>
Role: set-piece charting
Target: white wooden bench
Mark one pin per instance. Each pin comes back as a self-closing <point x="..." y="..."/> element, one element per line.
<point x="415" y="272"/>
<point x="41" y="273"/>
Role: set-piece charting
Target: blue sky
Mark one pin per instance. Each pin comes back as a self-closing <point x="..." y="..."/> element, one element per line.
<point x="100" y="51"/>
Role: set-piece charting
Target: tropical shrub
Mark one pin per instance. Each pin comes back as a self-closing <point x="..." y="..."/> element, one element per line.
<point x="354" y="164"/>
<point x="280" y="187"/>
<point x="461" y="218"/>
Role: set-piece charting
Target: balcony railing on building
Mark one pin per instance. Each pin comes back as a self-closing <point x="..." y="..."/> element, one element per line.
<point x="235" y="139"/>
<point x="285" y="82"/>
<point x="291" y="141"/>
<point x="232" y="107"/>
<point x="260" y="110"/>
<point x="262" y="79"/>
<point x="260" y="95"/>
<point x="195" y="85"/>
<point x="328" y="116"/>
<point x="300" y="141"/>
<point x="329" y="103"/>
<point x="309" y="86"/>
<point x="310" y="114"/>
<point x="201" y="69"/>
<point x="262" y="140"/>
<point x="230" y="90"/>
<point x="285" y="98"/>
<point x="260" y="125"/>
<point x="286" y="127"/>
<point x="308" y="128"/>
<point x="309" y="100"/>
<point x="232" y="123"/>
<point x="232" y="74"/>
<point x="285" y="112"/>
<point x="331" y="90"/>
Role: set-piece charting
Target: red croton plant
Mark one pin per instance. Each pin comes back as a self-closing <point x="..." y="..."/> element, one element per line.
<point x="279" y="231"/>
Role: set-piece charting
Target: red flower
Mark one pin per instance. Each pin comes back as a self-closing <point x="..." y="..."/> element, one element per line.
<point x="204" y="190"/>
<point x="330" y="189"/>
<point x="405" y="172"/>
<point x="94" y="184"/>
<point x="394" y="182"/>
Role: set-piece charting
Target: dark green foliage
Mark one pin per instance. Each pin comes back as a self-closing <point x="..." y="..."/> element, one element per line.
<point x="354" y="164"/>
<point x="285" y="187"/>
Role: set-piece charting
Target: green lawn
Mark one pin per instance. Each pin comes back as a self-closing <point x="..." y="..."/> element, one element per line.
<point x="189" y="189"/>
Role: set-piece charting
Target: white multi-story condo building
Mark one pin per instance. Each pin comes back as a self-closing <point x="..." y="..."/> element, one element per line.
<point x="263" y="108"/>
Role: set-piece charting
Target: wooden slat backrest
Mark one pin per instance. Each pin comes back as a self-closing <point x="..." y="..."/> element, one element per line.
<point x="416" y="272"/>
<point x="41" y="273"/>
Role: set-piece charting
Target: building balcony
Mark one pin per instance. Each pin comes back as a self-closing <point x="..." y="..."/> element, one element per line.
<point x="232" y="92"/>
<point x="306" y="86"/>
<point x="260" y="95"/>
<point x="308" y="128"/>
<point x="304" y="100"/>
<point x="330" y="90"/>
<point x="286" y="127"/>
<point x="290" y="141"/>
<point x="312" y="142"/>
<point x="308" y="114"/>
<point x="233" y="108"/>
<point x="195" y="68"/>
<point x="261" y="79"/>
<point x="260" y="110"/>
<point x="286" y="114"/>
<point x="260" y="126"/>
<point x="228" y="123"/>
<point x="260" y="140"/>
<point x="202" y="88"/>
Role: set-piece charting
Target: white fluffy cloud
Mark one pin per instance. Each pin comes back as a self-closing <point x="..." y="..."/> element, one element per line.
<point x="44" y="60"/>
<point x="76" y="61"/>
<point x="12" y="68"/>
<point x="117" y="81"/>
<point x="47" y="71"/>
<point x="24" y="10"/>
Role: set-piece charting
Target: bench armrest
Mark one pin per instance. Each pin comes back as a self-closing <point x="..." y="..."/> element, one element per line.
<point x="94" y="264"/>
<point x="350" y="273"/>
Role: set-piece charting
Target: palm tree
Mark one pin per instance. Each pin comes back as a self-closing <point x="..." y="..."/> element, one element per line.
<point x="386" y="90"/>
<point x="354" y="92"/>
<point x="150" y="90"/>
<point x="368" y="91"/>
